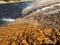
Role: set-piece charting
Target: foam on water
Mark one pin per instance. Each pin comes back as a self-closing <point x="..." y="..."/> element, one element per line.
<point x="8" y="19"/>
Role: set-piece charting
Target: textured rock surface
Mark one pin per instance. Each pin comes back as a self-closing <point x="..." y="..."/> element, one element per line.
<point x="28" y="35"/>
<point x="38" y="5"/>
<point x="39" y="26"/>
<point x="46" y="17"/>
<point x="46" y="13"/>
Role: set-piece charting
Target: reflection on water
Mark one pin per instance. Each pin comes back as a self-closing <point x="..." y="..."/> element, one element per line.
<point x="11" y="11"/>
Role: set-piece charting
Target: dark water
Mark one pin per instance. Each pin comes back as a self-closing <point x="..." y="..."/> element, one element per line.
<point x="12" y="10"/>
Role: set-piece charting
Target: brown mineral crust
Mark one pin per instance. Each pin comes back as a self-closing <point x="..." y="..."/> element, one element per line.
<point x="25" y="34"/>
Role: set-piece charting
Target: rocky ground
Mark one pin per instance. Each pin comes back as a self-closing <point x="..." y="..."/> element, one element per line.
<point x="46" y="17"/>
<point x="25" y="34"/>
<point x="39" y="27"/>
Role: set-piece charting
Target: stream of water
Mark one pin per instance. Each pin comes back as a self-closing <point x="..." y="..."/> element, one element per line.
<point x="11" y="11"/>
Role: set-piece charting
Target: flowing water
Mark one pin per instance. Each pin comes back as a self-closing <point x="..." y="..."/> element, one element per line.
<point x="11" y="11"/>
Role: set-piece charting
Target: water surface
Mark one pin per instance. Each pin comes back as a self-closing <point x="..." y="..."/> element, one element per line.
<point x="12" y="10"/>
